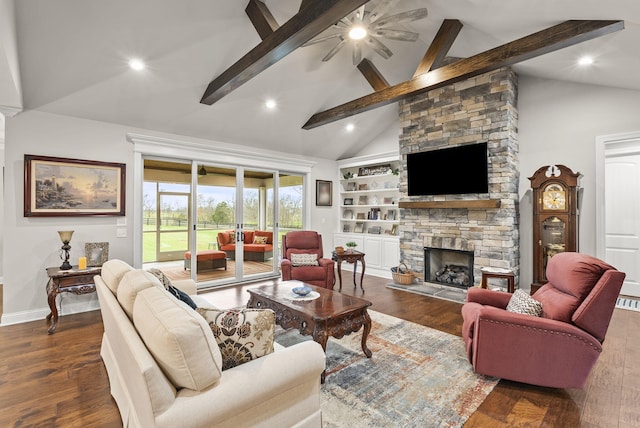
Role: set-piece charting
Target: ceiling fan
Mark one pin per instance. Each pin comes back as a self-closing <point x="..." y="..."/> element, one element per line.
<point x="366" y="27"/>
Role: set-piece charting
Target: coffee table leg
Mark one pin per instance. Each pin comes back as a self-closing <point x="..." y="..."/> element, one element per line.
<point x="365" y="333"/>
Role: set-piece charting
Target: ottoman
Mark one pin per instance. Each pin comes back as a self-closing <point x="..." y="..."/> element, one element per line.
<point x="207" y="260"/>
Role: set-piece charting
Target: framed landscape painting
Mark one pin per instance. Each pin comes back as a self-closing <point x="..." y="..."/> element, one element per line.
<point x="55" y="187"/>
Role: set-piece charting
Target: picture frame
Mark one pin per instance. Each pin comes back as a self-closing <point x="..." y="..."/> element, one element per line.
<point x="324" y="193"/>
<point x="96" y="253"/>
<point x="348" y="201"/>
<point x="387" y="201"/>
<point x="346" y="228"/>
<point x="359" y="228"/>
<point x="351" y="186"/>
<point x="360" y="216"/>
<point x="363" y="186"/>
<point x="362" y="200"/>
<point x="64" y="187"/>
<point x="375" y="230"/>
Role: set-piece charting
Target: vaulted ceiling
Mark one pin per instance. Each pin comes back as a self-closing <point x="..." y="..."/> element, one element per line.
<point x="73" y="58"/>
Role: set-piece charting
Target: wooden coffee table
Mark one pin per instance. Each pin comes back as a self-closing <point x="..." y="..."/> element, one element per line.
<point x="332" y="314"/>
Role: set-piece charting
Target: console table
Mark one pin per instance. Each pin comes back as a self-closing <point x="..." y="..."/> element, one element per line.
<point x="74" y="280"/>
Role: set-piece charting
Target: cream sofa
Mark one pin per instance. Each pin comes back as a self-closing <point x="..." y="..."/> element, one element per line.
<point x="164" y="365"/>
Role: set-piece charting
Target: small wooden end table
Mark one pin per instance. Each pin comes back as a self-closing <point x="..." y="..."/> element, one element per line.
<point x="74" y="280"/>
<point x="352" y="257"/>
<point x="499" y="273"/>
<point x="332" y="314"/>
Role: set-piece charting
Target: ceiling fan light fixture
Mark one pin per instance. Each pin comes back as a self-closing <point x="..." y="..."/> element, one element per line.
<point x="357" y="32"/>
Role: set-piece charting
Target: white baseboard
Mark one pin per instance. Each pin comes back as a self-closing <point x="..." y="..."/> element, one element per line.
<point x="40" y="314"/>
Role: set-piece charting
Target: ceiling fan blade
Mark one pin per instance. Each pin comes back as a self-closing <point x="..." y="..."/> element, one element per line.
<point x="335" y="50"/>
<point x="408" y="16"/>
<point x="357" y="53"/>
<point x="405" y="36"/>
<point x="379" y="10"/>
<point x="379" y="47"/>
<point x="320" y="39"/>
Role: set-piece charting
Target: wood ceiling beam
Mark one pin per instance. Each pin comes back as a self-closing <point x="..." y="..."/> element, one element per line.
<point x="303" y="26"/>
<point x="261" y="18"/>
<point x="439" y="47"/>
<point x="373" y="75"/>
<point x="554" y="38"/>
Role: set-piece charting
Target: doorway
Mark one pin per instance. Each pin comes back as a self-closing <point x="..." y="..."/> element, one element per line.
<point x="618" y="206"/>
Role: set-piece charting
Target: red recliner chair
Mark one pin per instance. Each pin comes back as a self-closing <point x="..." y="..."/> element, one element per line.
<point x="306" y="242"/>
<point x="557" y="349"/>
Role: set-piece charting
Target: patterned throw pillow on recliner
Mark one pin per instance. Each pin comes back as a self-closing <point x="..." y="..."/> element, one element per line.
<point x="304" y="259"/>
<point x="242" y="334"/>
<point x="522" y="303"/>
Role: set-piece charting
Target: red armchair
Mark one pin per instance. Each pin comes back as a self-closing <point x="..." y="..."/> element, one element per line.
<point x="306" y="242"/>
<point x="557" y="349"/>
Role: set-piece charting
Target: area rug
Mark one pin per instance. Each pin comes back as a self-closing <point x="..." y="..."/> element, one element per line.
<point x="417" y="377"/>
<point x="629" y="304"/>
<point x="431" y="291"/>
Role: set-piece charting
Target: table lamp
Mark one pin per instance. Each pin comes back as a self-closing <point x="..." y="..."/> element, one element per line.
<point x="65" y="237"/>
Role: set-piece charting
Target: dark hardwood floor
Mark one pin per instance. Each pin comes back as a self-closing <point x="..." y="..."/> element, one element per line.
<point x="59" y="381"/>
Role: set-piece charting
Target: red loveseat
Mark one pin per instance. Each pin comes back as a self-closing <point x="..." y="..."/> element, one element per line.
<point x="253" y="251"/>
<point x="557" y="349"/>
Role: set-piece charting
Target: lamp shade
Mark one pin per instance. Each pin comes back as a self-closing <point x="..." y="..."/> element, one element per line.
<point x="65" y="235"/>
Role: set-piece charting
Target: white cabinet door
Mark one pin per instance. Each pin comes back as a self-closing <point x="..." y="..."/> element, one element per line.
<point x="373" y="251"/>
<point x="390" y="253"/>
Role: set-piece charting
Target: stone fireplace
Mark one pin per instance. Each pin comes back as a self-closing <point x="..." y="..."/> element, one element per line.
<point x="480" y="109"/>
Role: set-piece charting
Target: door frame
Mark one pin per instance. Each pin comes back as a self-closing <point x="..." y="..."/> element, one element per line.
<point x="211" y="153"/>
<point x="627" y="143"/>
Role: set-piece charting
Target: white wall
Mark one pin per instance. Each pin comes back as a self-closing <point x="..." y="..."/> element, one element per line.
<point x="558" y="123"/>
<point x="32" y="244"/>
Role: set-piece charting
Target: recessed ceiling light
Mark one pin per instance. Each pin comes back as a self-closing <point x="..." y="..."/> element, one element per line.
<point x="585" y="60"/>
<point x="270" y="104"/>
<point x="350" y="127"/>
<point x="136" y="64"/>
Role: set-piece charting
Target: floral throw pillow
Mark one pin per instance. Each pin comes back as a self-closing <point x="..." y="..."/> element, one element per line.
<point x="260" y="239"/>
<point x="304" y="259"/>
<point x="232" y="237"/>
<point x="242" y="334"/>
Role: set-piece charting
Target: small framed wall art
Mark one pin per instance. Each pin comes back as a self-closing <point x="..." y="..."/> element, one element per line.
<point x="96" y="253"/>
<point x="324" y="193"/>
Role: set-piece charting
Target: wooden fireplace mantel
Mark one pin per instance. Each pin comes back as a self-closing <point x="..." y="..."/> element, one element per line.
<point x="476" y="204"/>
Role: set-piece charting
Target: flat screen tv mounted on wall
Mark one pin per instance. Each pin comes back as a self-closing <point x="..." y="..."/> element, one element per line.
<point x="450" y="171"/>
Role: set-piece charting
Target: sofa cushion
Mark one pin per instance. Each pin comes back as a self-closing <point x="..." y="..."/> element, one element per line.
<point x="248" y="236"/>
<point x="131" y="284"/>
<point x="179" y="339"/>
<point x="301" y="259"/>
<point x="522" y="303"/>
<point x="269" y="235"/>
<point x="260" y="239"/>
<point x="223" y="238"/>
<point x="258" y="248"/>
<point x="242" y="335"/>
<point x="112" y="273"/>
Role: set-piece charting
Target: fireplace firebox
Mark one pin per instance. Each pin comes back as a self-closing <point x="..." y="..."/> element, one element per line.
<point x="448" y="267"/>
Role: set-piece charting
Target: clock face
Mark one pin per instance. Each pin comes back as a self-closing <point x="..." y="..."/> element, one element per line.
<point x="554" y="197"/>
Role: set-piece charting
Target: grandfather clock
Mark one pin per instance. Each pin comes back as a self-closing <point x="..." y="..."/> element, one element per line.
<point x="555" y="217"/>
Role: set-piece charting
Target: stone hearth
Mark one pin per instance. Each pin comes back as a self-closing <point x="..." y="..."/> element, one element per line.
<point x="481" y="109"/>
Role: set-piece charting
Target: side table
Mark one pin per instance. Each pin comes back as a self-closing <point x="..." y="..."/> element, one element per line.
<point x="352" y="257"/>
<point x="74" y="280"/>
<point x="498" y="273"/>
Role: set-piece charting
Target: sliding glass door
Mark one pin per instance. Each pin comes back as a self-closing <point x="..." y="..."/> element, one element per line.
<point x="223" y="214"/>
